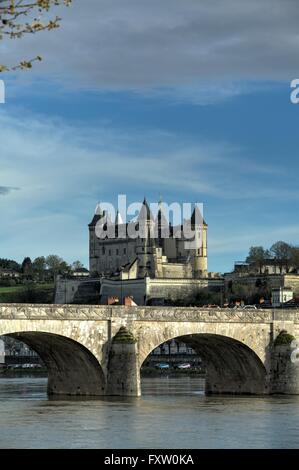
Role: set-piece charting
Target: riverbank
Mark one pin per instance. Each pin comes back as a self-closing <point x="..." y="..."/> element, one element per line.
<point x="26" y="372"/>
<point x="27" y="293"/>
<point x="145" y="372"/>
<point x="154" y="372"/>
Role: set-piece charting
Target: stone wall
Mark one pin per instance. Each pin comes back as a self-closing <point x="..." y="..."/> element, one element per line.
<point x="292" y="280"/>
<point x="273" y="281"/>
<point x="179" y="289"/>
<point x="124" y="288"/>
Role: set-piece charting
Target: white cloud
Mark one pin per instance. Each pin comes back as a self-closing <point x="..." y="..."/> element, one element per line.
<point x="62" y="171"/>
<point x="168" y="45"/>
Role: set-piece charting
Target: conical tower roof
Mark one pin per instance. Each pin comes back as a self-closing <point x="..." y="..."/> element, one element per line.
<point x="161" y="218"/>
<point x="98" y="214"/>
<point x="145" y="213"/>
<point x="198" y="217"/>
<point x="118" y="219"/>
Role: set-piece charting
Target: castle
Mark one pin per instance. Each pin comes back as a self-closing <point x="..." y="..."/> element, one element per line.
<point x="160" y="252"/>
<point x="149" y="259"/>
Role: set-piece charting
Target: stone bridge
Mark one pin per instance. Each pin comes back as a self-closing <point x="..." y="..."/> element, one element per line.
<point x="99" y="350"/>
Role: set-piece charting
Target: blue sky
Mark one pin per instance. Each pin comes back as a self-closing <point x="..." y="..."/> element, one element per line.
<point x="143" y="101"/>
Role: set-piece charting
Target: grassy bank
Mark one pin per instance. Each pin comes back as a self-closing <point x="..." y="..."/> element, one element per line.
<point x="27" y="293"/>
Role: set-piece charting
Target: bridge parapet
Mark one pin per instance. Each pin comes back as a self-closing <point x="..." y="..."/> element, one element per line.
<point x="196" y="314"/>
<point x="177" y="314"/>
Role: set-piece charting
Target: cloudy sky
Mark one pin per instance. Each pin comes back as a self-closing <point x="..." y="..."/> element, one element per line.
<point x="188" y="99"/>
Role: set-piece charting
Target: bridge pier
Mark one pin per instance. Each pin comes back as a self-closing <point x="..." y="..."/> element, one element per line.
<point x="284" y="373"/>
<point x="123" y="368"/>
<point x="230" y="382"/>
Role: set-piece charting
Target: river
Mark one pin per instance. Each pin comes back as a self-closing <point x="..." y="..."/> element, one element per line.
<point x="172" y="413"/>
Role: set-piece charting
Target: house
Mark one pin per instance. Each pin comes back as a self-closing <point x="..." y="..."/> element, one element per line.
<point x="81" y="272"/>
<point x="281" y="296"/>
<point x="6" y="273"/>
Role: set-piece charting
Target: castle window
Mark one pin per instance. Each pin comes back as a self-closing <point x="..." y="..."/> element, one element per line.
<point x="103" y="250"/>
<point x="117" y="251"/>
<point x="109" y="252"/>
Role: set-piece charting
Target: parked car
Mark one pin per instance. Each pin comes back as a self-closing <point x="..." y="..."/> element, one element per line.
<point x="162" y="365"/>
<point x="248" y="307"/>
<point x="184" y="366"/>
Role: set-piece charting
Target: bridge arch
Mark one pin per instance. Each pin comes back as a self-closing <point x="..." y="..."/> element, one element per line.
<point x="232" y="366"/>
<point x="72" y="368"/>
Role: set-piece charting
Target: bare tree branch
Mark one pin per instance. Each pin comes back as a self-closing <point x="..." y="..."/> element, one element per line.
<point x="20" y="17"/>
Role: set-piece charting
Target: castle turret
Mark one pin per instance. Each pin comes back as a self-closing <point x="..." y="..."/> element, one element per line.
<point x="163" y="229"/>
<point x="145" y="243"/>
<point x="98" y="214"/>
<point x="200" y="228"/>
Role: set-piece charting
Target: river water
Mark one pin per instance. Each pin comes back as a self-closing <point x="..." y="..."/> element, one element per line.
<point x="172" y="413"/>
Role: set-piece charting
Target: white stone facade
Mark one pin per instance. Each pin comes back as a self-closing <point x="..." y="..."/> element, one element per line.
<point x="159" y="257"/>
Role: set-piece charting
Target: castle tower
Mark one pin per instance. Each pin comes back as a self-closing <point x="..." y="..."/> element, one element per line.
<point x="200" y="267"/>
<point x="163" y="231"/>
<point x="93" y="257"/>
<point x="119" y="224"/>
<point x="145" y="245"/>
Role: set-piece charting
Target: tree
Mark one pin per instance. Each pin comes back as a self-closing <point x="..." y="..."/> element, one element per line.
<point x="21" y="17"/>
<point x="9" y="264"/>
<point x="57" y="265"/>
<point x="294" y="261"/>
<point x="27" y="266"/>
<point x="282" y="253"/>
<point x="257" y="257"/>
<point x="77" y="265"/>
<point x="39" y="267"/>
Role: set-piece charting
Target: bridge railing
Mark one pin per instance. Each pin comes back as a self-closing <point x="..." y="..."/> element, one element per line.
<point x="102" y="312"/>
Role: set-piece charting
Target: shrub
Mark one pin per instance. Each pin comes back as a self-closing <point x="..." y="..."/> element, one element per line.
<point x="283" y="338"/>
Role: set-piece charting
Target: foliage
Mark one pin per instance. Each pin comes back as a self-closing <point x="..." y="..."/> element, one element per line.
<point x="39" y="267"/>
<point x="57" y="265"/>
<point x="9" y="264"/>
<point x="40" y="270"/>
<point x="77" y="265"/>
<point x="124" y="336"/>
<point x="257" y="256"/>
<point x="283" y="338"/>
<point x="282" y="253"/>
<point x="21" y="17"/>
<point x="294" y="260"/>
<point x="27" y="267"/>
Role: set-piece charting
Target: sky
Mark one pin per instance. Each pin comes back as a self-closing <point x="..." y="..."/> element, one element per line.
<point x="184" y="99"/>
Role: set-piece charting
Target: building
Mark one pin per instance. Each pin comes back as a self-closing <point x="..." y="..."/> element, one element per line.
<point x="81" y="272"/>
<point x="8" y="273"/>
<point x="155" y="268"/>
<point x="13" y="351"/>
<point x="159" y="256"/>
<point x="269" y="266"/>
<point x="281" y="295"/>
